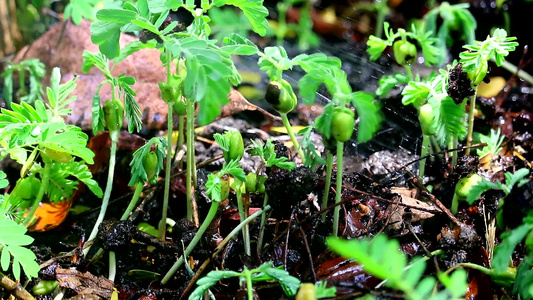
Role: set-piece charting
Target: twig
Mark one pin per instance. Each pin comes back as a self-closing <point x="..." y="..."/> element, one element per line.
<point x="14" y="288"/>
<point x="308" y="250"/>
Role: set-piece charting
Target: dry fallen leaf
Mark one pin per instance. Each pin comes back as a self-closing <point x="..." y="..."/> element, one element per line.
<point x="84" y="283"/>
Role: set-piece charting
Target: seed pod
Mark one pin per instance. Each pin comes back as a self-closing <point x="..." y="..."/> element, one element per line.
<point x="236" y="146"/>
<point x="281" y="96"/>
<point x="114" y="114"/>
<point x="251" y="182"/>
<point x="463" y="187"/>
<point x="150" y="165"/>
<point x="404" y="52"/>
<point x="427" y="119"/>
<point x="224" y="187"/>
<point x="260" y="184"/>
<point x="342" y="123"/>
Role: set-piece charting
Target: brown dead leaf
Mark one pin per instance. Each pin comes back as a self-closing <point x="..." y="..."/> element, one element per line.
<point x="399" y="213"/>
<point x="84" y="283"/>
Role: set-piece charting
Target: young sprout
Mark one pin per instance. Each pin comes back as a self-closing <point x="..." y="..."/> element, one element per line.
<point x="475" y="63"/>
<point x="216" y="190"/>
<point x="404" y="48"/>
<point x="494" y="146"/>
<point x="463" y="189"/>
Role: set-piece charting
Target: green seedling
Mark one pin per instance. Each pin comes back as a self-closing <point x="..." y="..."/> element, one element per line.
<point x="110" y="117"/>
<point x="36" y="71"/>
<point x="216" y="190"/>
<point x="208" y="68"/>
<point x="265" y="272"/>
<point x="382" y="258"/>
<point x="306" y="37"/>
<point x="232" y="147"/>
<point x="45" y="287"/>
<point x="27" y="132"/>
<point x="441" y="116"/>
<point x="13" y="253"/>
<point x="511" y="179"/>
<point x="475" y="62"/>
<point x="76" y="10"/>
<point x="456" y="19"/>
<point x="404" y="47"/>
<point x="267" y="154"/>
<point x="494" y="146"/>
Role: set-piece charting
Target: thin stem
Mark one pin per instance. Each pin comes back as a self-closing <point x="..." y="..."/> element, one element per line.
<point x="454" y="153"/>
<point x="133" y="202"/>
<point x="262" y="228"/>
<point x="435" y="145"/>
<point x="514" y="69"/>
<point x="112" y="266"/>
<point x="293" y="137"/>
<point x="45" y="181"/>
<point x="455" y="204"/>
<point x="282" y="22"/>
<point x="242" y="216"/>
<point x="470" y="122"/>
<point x="408" y="71"/>
<point x="109" y="186"/>
<point x="181" y="133"/>
<point x="163" y="222"/>
<point x="22" y="81"/>
<point x="210" y="216"/>
<point x="249" y="288"/>
<point x="340" y="153"/>
<point x="190" y="158"/>
<point x="381" y="7"/>
<point x="423" y="153"/>
<point x="329" y="169"/>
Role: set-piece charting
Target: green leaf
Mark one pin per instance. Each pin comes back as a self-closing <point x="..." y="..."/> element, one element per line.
<point x="78" y="9"/>
<point x="274" y="61"/>
<point x="323" y="122"/>
<point x="132" y="48"/>
<point x="376" y="46"/>
<point x="3" y="181"/>
<point x="388" y="82"/>
<point x="480" y="188"/>
<point x="208" y="281"/>
<point x="495" y="47"/>
<point x="253" y="10"/>
<point x="12" y="237"/>
<point x="311" y="154"/>
<point x="504" y="250"/>
<point x="289" y="284"/>
<point x="227" y="22"/>
<point x="238" y="45"/>
<point x="370" y="116"/>
<point x="451" y="121"/>
<point x="210" y="73"/>
<point x="415" y="93"/>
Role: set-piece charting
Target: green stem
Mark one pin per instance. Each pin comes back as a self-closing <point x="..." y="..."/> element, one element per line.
<point x="210" y="216"/>
<point x="45" y="181"/>
<point x="181" y="133"/>
<point x="190" y="157"/>
<point x="455" y="204"/>
<point x="423" y="153"/>
<point x="262" y="228"/>
<point x="163" y="222"/>
<point x="340" y="153"/>
<point x="249" y="288"/>
<point x="282" y="22"/>
<point x="329" y="169"/>
<point x="109" y="186"/>
<point x="380" y="17"/>
<point x="454" y="153"/>
<point x="408" y="71"/>
<point x="22" y="81"/>
<point x="138" y="190"/>
<point x="436" y="147"/>
<point x="514" y="69"/>
<point x="470" y="122"/>
<point x="112" y="266"/>
<point x="242" y="216"/>
<point x="293" y="137"/>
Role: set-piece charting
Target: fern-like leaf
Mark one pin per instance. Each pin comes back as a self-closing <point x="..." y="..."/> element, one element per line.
<point x="12" y="240"/>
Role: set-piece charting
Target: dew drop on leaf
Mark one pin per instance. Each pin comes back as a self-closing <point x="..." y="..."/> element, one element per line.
<point x="36" y="131"/>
